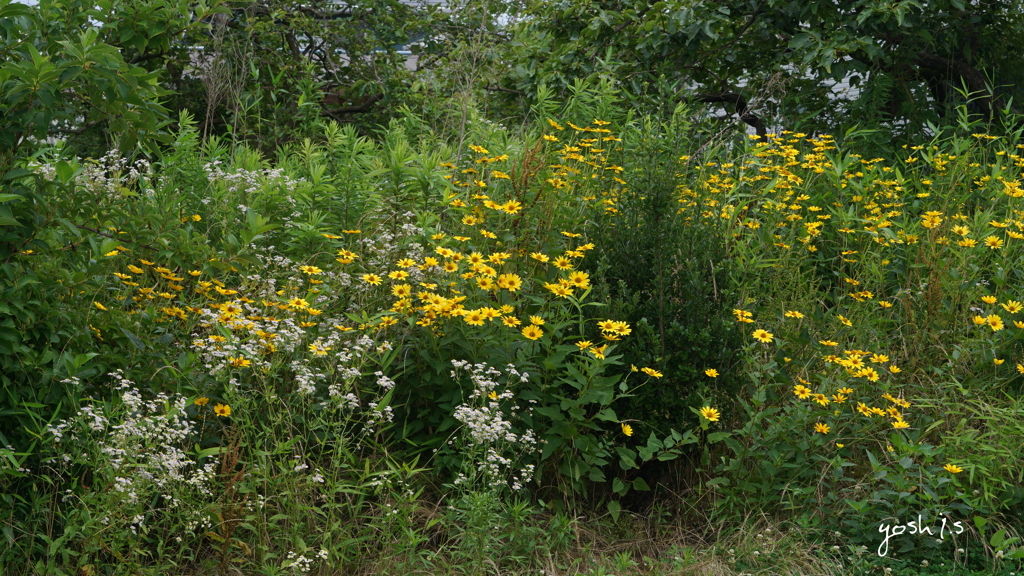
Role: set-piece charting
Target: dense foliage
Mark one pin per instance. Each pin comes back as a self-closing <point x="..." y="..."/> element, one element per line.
<point x="244" y="331"/>
<point x="808" y="66"/>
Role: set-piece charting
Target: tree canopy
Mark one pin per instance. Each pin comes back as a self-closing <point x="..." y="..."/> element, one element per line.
<point x="906" y="59"/>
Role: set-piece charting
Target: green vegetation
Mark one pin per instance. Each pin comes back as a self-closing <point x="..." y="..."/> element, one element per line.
<point x="285" y="305"/>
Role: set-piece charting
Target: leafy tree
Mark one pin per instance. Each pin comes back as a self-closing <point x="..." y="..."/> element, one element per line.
<point x="270" y="67"/>
<point x="57" y="77"/>
<point x="907" y="59"/>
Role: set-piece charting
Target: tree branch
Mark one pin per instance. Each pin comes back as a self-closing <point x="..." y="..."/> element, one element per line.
<point x="932" y="67"/>
<point x="500" y="89"/>
<point x="365" y="106"/>
<point x="742" y="109"/>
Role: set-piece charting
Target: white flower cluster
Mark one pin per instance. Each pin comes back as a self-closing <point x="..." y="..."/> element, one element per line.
<point x="300" y="563"/>
<point x="140" y="442"/>
<point x="108" y="177"/>
<point x="485" y="425"/>
<point x="248" y="183"/>
<point x="8" y="455"/>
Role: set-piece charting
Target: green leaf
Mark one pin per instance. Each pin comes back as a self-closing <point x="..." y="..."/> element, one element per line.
<point x="135" y="340"/>
<point x="614" y="508"/>
<point x="718" y="436"/>
<point x="619" y="487"/>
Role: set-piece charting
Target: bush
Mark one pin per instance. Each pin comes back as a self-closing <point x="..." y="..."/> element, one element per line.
<point x="669" y="274"/>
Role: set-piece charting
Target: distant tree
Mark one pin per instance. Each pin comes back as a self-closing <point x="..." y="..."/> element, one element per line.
<point x="910" y="60"/>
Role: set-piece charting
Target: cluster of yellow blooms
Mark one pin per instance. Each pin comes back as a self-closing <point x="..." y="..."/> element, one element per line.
<point x="480" y="275"/>
<point x="801" y="200"/>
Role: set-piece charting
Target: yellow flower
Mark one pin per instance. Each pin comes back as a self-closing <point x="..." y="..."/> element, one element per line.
<point x="510" y="282"/>
<point x="710" y="413"/>
<point x="562" y="263"/>
<point x="802" y="392"/>
<point x="238" y="362"/>
<point x="651" y="372"/>
<point x="560" y="290"/>
<point x="201" y="401"/>
<point x="584" y="344"/>
<point x="615" y="327"/>
<point x="135" y="269"/>
<point x="989" y="299"/>
<point x="536" y="320"/>
<point x="112" y="253"/>
<point x="372" y="279"/>
<point x="474" y="318"/>
<point x="794" y="314"/>
<point x="885" y="304"/>
<point x="222" y="410"/>
<point x="310" y="270"/>
<point x="953" y="468"/>
<point x="998" y="361"/>
<point x="995" y="322"/>
<point x="743" y="315"/>
<point x="1012" y="306"/>
<point x="711" y="372"/>
<point x="838" y="445"/>
<point x="627" y="429"/>
<point x="993" y="242"/>
<point x="580" y="280"/>
<point x="532" y="332"/>
<point x="100" y="306"/>
<point x="894" y="369"/>
<point x="821" y="428"/>
<point x="762" y="335"/>
<point x="320" y="350"/>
